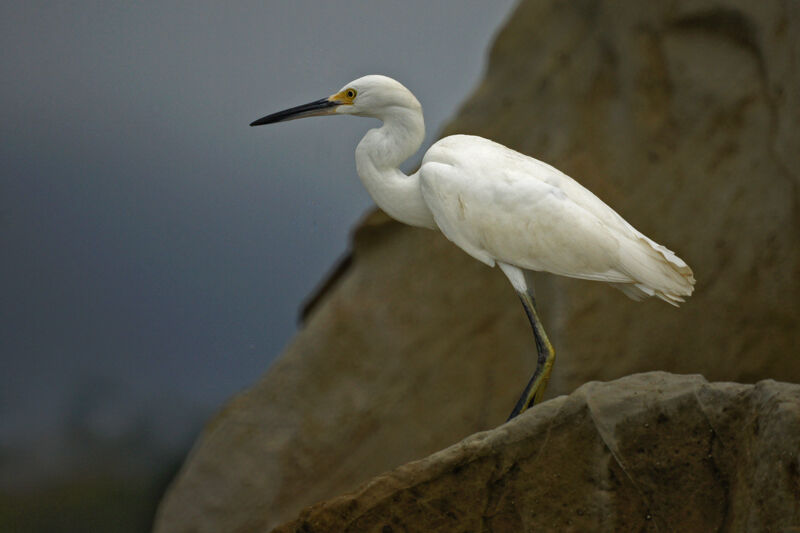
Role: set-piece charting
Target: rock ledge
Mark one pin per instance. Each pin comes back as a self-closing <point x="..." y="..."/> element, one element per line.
<point x="648" y="452"/>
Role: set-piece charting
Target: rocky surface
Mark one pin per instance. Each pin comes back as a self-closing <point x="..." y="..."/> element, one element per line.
<point x="682" y="115"/>
<point x="649" y="452"/>
<point x="367" y="363"/>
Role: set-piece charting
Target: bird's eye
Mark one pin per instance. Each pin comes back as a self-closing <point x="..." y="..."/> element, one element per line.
<point x="350" y="93"/>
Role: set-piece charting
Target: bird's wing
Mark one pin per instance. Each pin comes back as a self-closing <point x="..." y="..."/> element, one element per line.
<point x="499" y="205"/>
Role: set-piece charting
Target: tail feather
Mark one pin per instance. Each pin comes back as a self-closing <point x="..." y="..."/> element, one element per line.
<point x="654" y="270"/>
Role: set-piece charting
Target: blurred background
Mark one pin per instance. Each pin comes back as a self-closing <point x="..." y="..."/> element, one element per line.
<point x="155" y="250"/>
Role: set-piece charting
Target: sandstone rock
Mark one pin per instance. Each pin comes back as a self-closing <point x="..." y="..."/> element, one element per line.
<point x="685" y="117"/>
<point x="650" y="452"/>
<point x="681" y="115"/>
<point x="392" y="346"/>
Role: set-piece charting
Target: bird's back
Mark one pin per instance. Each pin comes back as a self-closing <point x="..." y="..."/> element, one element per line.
<point x="500" y="205"/>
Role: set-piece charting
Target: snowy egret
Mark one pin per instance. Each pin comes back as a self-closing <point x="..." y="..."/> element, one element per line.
<point x="499" y="206"/>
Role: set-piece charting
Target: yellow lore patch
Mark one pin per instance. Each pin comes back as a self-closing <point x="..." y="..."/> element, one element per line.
<point x="344" y="97"/>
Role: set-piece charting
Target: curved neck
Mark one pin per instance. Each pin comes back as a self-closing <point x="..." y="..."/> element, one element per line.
<point x="379" y="154"/>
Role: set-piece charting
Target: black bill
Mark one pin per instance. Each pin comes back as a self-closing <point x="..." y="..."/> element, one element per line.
<point x="313" y="109"/>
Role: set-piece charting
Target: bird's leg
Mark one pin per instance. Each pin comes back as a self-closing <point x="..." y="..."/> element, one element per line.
<point x="545" y="356"/>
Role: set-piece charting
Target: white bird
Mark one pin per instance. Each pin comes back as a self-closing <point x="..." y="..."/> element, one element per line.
<point x="501" y="207"/>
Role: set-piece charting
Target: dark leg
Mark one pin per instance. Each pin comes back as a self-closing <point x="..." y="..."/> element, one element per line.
<point x="546" y="355"/>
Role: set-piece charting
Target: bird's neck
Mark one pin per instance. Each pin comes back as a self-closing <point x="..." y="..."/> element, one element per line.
<point x="378" y="156"/>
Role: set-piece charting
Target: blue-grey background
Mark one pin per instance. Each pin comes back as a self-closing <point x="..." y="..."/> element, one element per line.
<point x="154" y="248"/>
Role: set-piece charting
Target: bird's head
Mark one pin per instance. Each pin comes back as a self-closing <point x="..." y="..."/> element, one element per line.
<point x="373" y="96"/>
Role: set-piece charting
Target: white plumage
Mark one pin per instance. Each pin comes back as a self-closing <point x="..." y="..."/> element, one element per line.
<point x="501" y="207"/>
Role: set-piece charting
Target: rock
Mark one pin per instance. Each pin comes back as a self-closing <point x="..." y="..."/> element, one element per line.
<point x="649" y="452"/>
<point x="683" y="116"/>
<point x="392" y="346"/>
